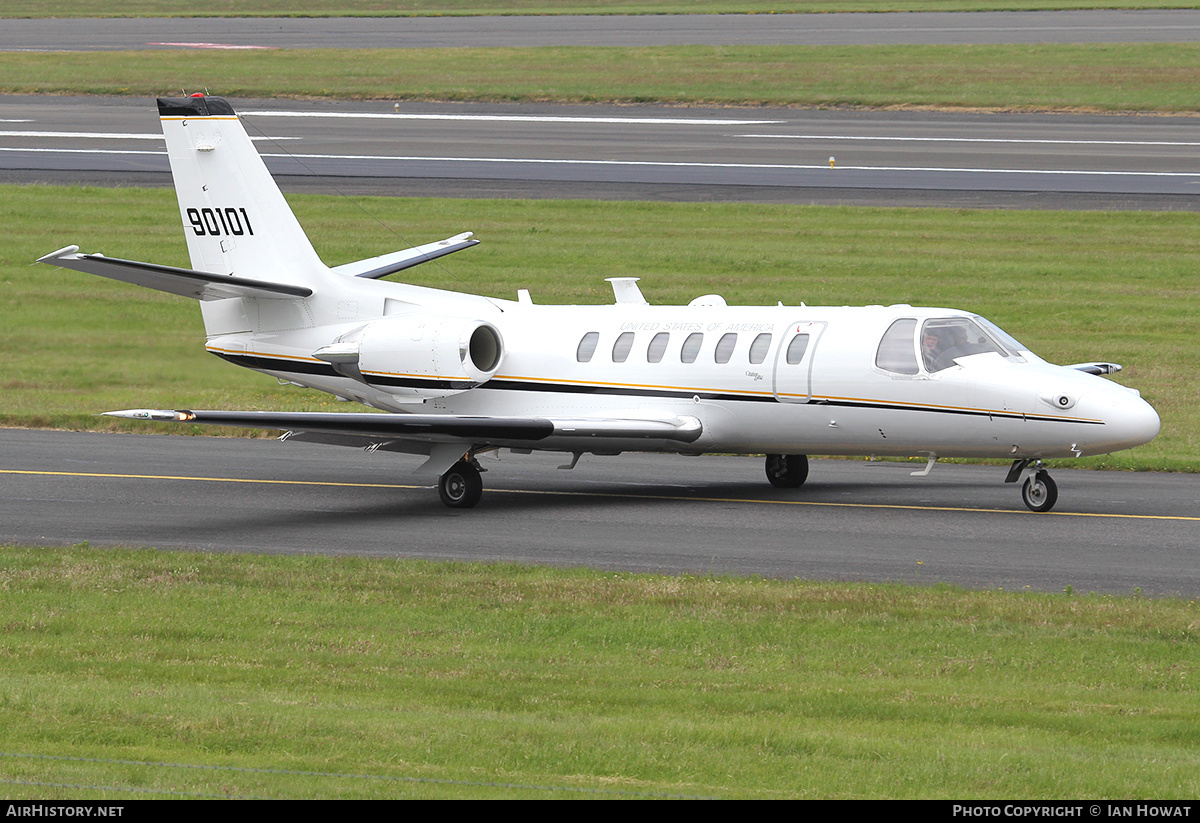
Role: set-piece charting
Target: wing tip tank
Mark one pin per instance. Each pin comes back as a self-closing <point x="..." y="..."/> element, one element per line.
<point x="150" y="414"/>
<point x="54" y="256"/>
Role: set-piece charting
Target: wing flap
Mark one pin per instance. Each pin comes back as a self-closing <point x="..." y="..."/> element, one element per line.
<point x="197" y="285"/>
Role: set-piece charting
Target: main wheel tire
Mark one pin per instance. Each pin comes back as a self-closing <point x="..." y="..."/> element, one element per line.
<point x="787" y="471"/>
<point x="1040" y="492"/>
<point x="460" y="487"/>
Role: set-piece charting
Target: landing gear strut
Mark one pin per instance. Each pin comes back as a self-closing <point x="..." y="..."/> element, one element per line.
<point x="461" y="487"/>
<point x="787" y="471"/>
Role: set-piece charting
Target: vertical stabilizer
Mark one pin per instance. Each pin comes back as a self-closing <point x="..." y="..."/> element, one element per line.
<point x="234" y="216"/>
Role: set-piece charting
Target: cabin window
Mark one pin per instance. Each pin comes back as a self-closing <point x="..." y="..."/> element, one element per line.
<point x="587" y="347"/>
<point x="725" y="346"/>
<point x="759" y="348"/>
<point x="657" y="347"/>
<point x="691" y="347"/>
<point x="620" y="352"/>
<point x="895" y="352"/>
<point x="796" y="349"/>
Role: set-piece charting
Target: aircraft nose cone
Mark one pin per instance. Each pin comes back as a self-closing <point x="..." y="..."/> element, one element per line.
<point x="1128" y="420"/>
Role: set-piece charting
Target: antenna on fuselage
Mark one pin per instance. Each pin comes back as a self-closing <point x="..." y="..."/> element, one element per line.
<point x="625" y="290"/>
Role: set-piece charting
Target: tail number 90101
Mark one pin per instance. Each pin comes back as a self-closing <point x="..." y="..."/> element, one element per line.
<point x="220" y="222"/>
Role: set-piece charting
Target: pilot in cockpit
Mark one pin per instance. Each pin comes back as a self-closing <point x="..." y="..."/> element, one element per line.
<point x="931" y="347"/>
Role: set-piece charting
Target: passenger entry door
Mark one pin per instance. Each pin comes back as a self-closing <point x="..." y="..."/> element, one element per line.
<point x="794" y="361"/>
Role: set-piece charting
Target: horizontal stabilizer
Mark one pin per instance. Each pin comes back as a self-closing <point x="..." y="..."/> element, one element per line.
<point x="1095" y="368"/>
<point x="432" y="428"/>
<point x="376" y="267"/>
<point x="197" y="285"/>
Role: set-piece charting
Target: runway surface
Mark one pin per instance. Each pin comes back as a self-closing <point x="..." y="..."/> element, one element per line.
<point x="920" y="28"/>
<point x="1114" y="532"/>
<point x="649" y="153"/>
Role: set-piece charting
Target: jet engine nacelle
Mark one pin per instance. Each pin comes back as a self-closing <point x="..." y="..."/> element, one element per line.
<point x="419" y="356"/>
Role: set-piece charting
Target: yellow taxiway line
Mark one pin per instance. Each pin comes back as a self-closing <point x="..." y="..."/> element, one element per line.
<point x="624" y="495"/>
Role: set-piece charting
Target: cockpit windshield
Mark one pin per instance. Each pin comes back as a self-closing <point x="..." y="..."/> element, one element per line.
<point x="1000" y="335"/>
<point x="946" y="339"/>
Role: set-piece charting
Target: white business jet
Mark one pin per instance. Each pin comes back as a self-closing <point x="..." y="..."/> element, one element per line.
<point x="457" y="375"/>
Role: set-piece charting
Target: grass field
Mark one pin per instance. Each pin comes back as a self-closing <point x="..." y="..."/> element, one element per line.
<point x="1159" y="77"/>
<point x="378" y="8"/>
<point x="297" y="677"/>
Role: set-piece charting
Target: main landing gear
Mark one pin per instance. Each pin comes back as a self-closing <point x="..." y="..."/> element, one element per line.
<point x="461" y="487"/>
<point x="1039" y="492"/>
<point x="787" y="471"/>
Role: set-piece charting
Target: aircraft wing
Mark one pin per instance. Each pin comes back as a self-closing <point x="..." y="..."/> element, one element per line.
<point x="376" y="267"/>
<point x="197" y="285"/>
<point x="371" y="428"/>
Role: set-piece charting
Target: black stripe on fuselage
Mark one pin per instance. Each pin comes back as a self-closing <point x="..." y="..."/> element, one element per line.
<point x="304" y="367"/>
<point x="686" y="394"/>
<point x="260" y="362"/>
<point x="276" y="364"/>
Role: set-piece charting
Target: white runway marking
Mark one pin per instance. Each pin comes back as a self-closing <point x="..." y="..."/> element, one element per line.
<point x="657" y="164"/>
<point x="101" y="135"/>
<point x="214" y="46"/>
<point x="513" y="118"/>
<point x="1014" y="140"/>
<point x="97" y="135"/>
<point x="766" y="166"/>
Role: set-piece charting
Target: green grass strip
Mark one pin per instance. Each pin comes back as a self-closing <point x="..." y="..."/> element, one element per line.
<point x="439" y="8"/>
<point x="313" y="677"/>
<point x="1106" y="77"/>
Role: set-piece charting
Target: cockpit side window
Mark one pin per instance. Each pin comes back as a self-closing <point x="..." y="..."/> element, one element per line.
<point x="895" y="352"/>
<point x="945" y="339"/>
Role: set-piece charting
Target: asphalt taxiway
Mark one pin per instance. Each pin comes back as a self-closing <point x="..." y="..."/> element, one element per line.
<point x="1113" y="532"/>
<point x="639" y="152"/>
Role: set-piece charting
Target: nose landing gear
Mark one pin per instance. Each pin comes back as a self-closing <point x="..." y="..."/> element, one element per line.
<point x="1039" y="492"/>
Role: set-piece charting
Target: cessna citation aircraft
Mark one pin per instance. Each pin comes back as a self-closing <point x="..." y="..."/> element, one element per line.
<point x="458" y="375"/>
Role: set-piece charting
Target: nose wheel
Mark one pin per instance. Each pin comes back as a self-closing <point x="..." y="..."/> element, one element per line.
<point x="1040" y="492"/>
<point x="460" y="487"/>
